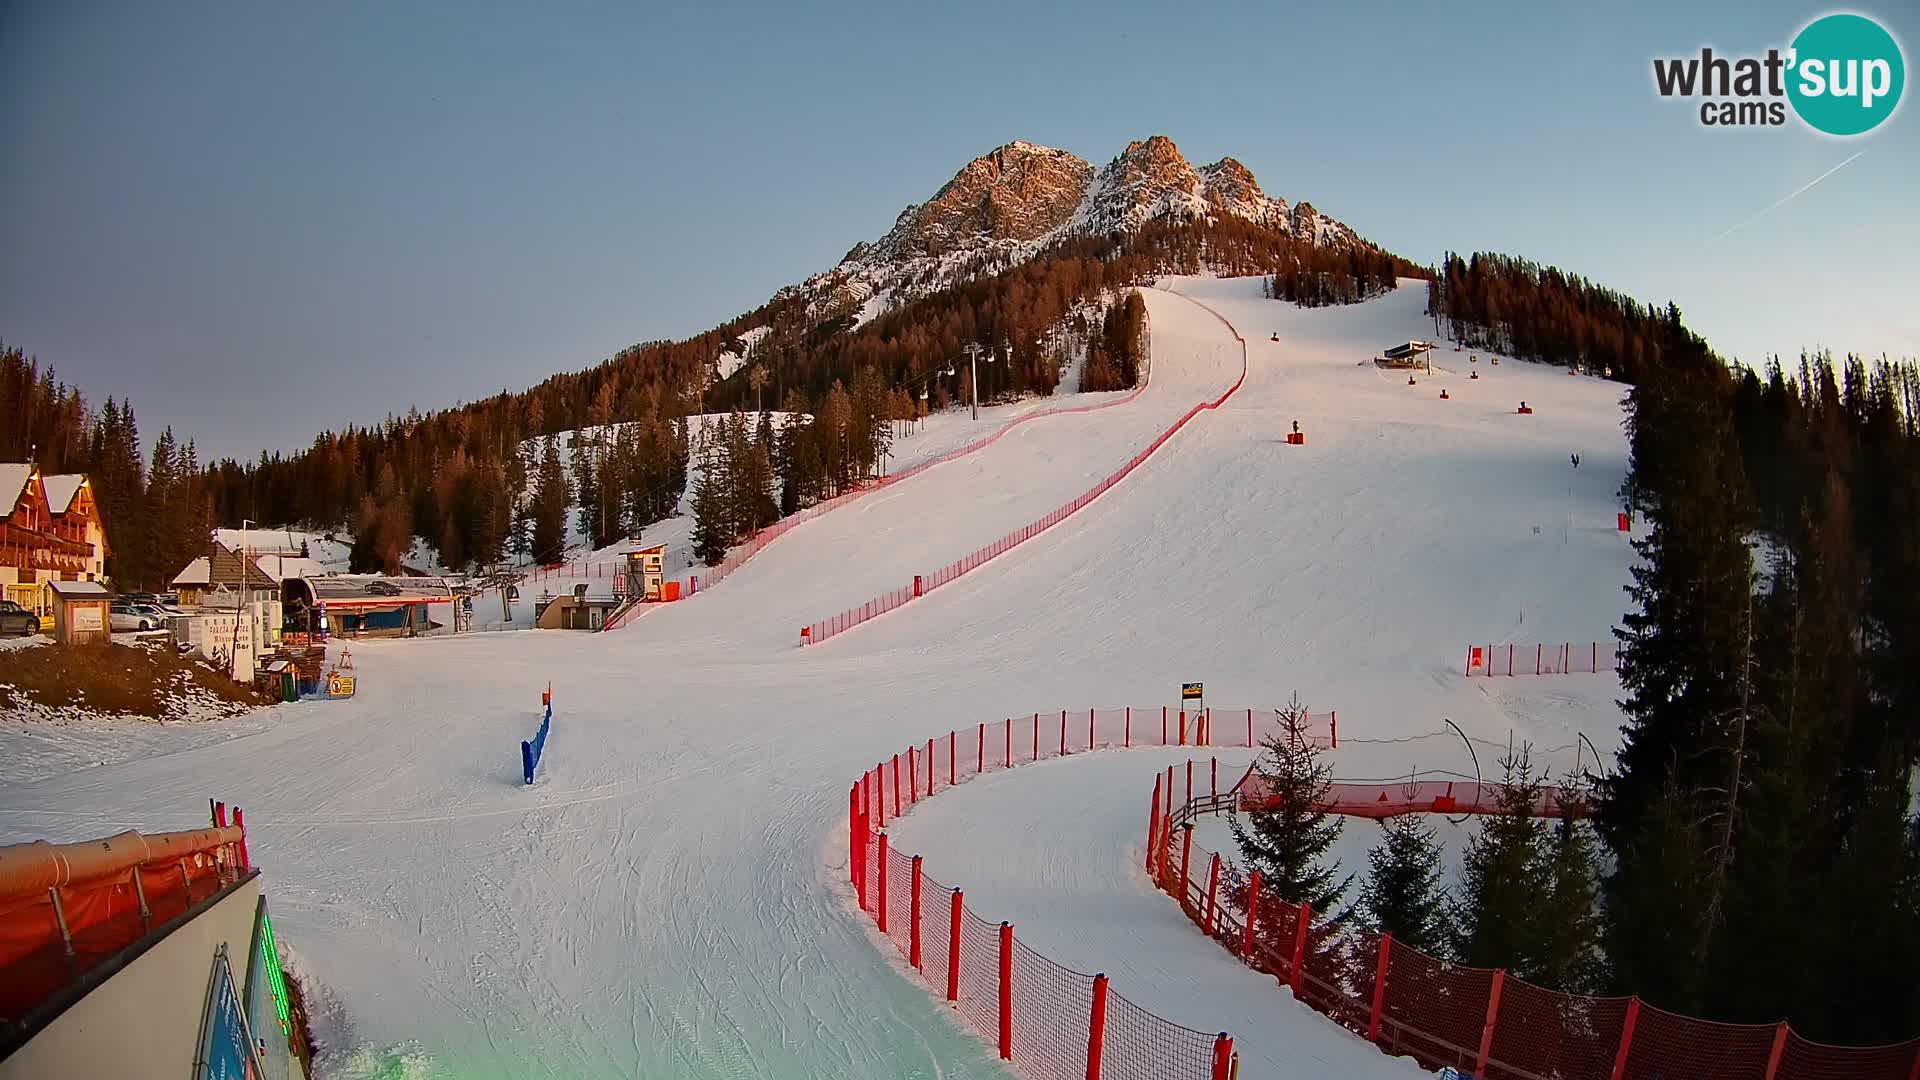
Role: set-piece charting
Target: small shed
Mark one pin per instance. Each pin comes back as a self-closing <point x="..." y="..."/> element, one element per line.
<point x="80" y="612"/>
<point x="645" y="570"/>
<point x="1408" y="354"/>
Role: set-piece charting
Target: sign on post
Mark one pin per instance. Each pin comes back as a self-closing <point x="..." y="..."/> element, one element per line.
<point x="1194" y="692"/>
<point x="226" y="1046"/>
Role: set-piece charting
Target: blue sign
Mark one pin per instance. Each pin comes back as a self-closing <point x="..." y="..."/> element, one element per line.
<point x="226" y="1050"/>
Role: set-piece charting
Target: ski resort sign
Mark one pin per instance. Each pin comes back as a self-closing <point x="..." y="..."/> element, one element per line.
<point x="1842" y="74"/>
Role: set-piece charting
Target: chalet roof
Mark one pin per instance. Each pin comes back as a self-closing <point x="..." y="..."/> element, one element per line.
<point x="13" y="480"/>
<point x="220" y="566"/>
<point x="80" y="589"/>
<point x="282" y="567"/>
<point x="61" y="490"/>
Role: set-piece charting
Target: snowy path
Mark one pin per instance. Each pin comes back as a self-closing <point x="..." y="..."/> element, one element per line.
<point x="663" y="902"/>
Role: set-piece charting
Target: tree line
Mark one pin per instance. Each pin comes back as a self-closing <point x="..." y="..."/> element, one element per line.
<point x="1520" y="308"/>
<point x="157" y="511"/>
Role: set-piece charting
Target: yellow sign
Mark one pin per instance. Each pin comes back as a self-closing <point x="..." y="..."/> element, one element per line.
<point x="1191" y="691"/>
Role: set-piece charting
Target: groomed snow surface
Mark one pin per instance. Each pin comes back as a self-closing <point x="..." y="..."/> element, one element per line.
<point x="667" y="899"/>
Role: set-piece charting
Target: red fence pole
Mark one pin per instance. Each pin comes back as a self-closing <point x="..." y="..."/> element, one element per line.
<point x="1006" y="991"/>
<point x="1128" y="740"/>
<point x="880" y="790"/>
<point x="1189" y="801"/>
<point x="1097" y="1027"/>
<point x="1063" y="733"/>
<point x="1163" y="725"/>
<point x="913" y="918"/>
<point x="930" y="764"/>
<point x="1009" y="742"/>
<point x="1186" y="861"/>
<point x="1153" y="823"/>
<point x="1333" y="725"/>
<point x="1626" y="1039"/>
<point x="1300" y="946"/>
<point x="896" y="785"/>
<point x="1379" y="988"/>
<point x="954" y="917"/>
<point x="913" y="777"/>
<point x="1222" y="1056"/>
<point x="882" y="909"/>
<point x="1183" y="727"/>
<point x="1249" y="727"/>
<point x="981" y="764"/>
<point x="1213" y="892"/>
<point x="1779" y="1047"/>
<point x="1253" y="912"/>
<point x="1089" y="729"/>
<point x="1493" y="1015"/>
<point x="853" y="836"/>
<point x="240" y="822"/>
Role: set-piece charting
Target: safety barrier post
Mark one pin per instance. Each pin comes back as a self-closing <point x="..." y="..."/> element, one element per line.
<point x="1213" y="788"/>
<point x="1006" y="991"/>
<point x="1222" y="1056"/>
<point x="1779" y="1047"/>
<point x="953" y="739"/>
<point x="1009" y="742"/>
<point x="1163" y="725"/>
<point x="881" y="909"/>
<point x="1539" y="651"/>
<point x="240" y="822"/>
<point x="1189" y="801"/>
<point x="1186" y="861"/>
<point x="1097" y="1027"/>
<point x="880" y="791"/>
<point x="1183" y="727"/>
<point x="1379" y="988"/>
<point x="1063" y="733"/>
<point x="1493" y="1015"/>
<point x="1305" y="917"/>
<point x="1128" y="740"/>
<point x="853" y="840"/>
<point x="1153" y="824"/>
<point x="1253" y="913"/>
<point x="1333" y="725"/>
<point x="913" y="918"/>
<point x="957" y="912"/>
<point x="1089" y="729"/>
<point x="980" y="763"/>
<point x="896" y="785"/>
<point x="930" y="766"/>
<point x="1626" y="1038"/>
<point x="1036" y="736"/>
<point x="1213" y="892"/>
<point x="1249" y="727"/>
<point x="913" y="778"/>
<point x="219" y="815"/>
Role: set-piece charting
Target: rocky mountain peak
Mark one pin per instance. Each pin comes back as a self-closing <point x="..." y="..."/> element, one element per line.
<point x="1017" y="192"/>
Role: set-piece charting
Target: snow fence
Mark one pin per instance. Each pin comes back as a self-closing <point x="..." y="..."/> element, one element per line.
<point x="1051" y="1022"/>
<point x="815" y="633"/>
<point x="531" y="749"/>
<point x="1481" y="1022"/>
<point x="1542" y="658"/>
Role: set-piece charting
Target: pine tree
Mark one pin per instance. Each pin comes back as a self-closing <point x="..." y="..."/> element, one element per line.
<point x="1288" y="837"/>
<point x="550" y="501"/>
<point x="1571" y="955"/>
<point x="1403" y="894"/>
<point x="586" y="483"/>
<point x="711" y="525"/>
<point x="1502" y="878"/>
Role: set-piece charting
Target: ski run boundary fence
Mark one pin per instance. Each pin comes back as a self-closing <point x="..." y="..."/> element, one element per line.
<point x="531" y="749"/>
<point x="738" y="556"/>
<point x="815" y="633"/>
<point x="1051" y="1022"/>
<point x="1480" y="1022"/>
<point x="1542" y="658"/>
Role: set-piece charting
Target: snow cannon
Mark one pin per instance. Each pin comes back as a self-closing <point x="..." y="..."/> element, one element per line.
<point x="1296" y="437"/>
<point x="1474" y="375"/>
<point x="1443" y="394"/>
<point x="1525" y="409"/>
<point x="1410" y="381"/>
<point x="1275" y="337"/>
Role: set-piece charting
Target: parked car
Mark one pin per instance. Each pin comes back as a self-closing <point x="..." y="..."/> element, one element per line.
<point x="15" y="619"/>
<point x="126" y="616"/>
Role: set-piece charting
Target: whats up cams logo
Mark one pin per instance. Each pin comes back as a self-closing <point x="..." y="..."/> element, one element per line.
<point x="1842" y="75"/>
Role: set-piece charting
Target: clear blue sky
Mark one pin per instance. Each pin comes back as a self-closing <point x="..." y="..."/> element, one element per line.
<point x="259" y="220"/>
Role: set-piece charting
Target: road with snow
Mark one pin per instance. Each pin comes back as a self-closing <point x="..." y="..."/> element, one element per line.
<point x="666" y="900"/>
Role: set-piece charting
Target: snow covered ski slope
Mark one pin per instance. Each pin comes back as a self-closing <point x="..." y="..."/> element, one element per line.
<point x="665" y="901"/>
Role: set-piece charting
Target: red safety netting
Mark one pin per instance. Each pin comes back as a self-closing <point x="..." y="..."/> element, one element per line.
<point x="953" y="571"/>
<point x="1050" y="1010"/>
<point x="1447" y="1015"/>
<point x="1543" y="658"/>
